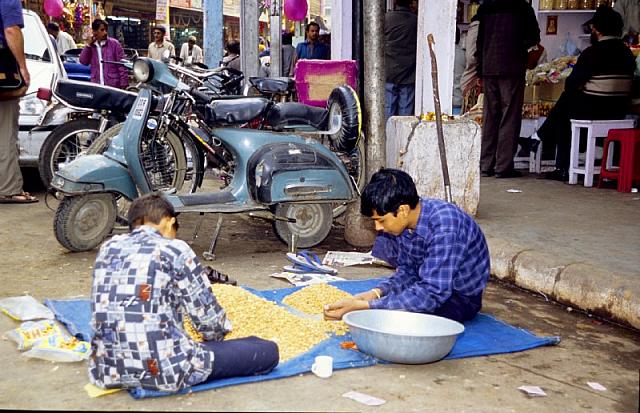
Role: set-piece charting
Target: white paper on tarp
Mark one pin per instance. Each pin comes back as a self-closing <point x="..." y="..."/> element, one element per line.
<point x="596" y="386"/>
<point x="532" y="390"/>
<point x="306" y="278"/>
<point x="364" y="398"/>
<point x="347" y="258"/>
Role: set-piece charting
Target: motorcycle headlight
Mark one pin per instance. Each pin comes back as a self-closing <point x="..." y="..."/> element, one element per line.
<point x="142" y="70"/>
<point x="31" y="105"/>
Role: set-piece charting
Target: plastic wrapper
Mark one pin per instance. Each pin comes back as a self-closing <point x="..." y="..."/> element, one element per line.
<point x="30" y="333"/>
<point x="25" y="308"/>
<point x="60" y="347"/>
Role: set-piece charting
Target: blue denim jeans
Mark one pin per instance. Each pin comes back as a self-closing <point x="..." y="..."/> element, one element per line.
<point x="247" y="356"/>
<point x="399" y="99"/>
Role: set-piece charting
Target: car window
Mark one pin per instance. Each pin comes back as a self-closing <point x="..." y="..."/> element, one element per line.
<point x="35" y="48"/>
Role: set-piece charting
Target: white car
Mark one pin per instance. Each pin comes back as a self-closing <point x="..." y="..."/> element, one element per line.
<point x="43" y="63"/>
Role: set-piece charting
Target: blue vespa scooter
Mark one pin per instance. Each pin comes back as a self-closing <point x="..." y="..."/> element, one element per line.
<point x="291" y="180"/>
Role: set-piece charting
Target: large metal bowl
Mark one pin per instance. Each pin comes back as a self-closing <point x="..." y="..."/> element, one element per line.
<point x="402" y="337"/>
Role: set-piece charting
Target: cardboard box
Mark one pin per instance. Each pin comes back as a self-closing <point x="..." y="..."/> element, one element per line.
<point x="551" y="91"/>
<point x="531" y="93"/>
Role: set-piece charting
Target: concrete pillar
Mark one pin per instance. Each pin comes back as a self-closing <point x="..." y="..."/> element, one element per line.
<point x="341" y="29"/>
<point x="249" y="38"/>
<point x="275" y="17"/>
<point x="437" y="17"/>
<point x="213" y="31"/>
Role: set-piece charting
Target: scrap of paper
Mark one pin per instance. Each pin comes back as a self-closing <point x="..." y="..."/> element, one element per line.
<point x="514" y="191"/>
<point x="305" y="278"/>
<point x="532" y="390"/>
<point x="596" y="386"/>
<point x="349" y="258"/>
<point x="364" y="398"/>
<point x="95" y="391"/>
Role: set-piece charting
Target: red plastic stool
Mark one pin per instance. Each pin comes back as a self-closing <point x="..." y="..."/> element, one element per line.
<point x="629" y="169"/>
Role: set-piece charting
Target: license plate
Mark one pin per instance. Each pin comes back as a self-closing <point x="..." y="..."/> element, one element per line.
<point x="141" y="105"/>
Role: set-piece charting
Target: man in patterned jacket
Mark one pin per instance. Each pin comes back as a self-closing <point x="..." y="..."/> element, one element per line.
<point x="144" y="284"/>
<point x="441" y="253"/>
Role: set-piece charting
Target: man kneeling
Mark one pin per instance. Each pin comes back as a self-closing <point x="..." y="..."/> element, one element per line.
<point x="442" y="255"/>
<point x="144" y="284"/>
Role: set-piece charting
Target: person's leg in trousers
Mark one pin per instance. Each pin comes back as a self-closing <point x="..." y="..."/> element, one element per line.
<point x="391" y="100"/>
<point x="247" y="356"/>
<point x="460" y="308"/>
<point x="492" y="114"/>
<point x="10" y="175"/>
<point x="512" y="98"/>
<point x="406" y="99"/>
<point x="556" y="130"/>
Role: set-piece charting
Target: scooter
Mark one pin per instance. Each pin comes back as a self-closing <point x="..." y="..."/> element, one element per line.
<point x="290" y="180"/>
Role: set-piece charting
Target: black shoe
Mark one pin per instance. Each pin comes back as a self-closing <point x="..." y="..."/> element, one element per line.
<point x="488" y="173"/>
<point x="509" y="174"/>
<point x="557" y="175"/>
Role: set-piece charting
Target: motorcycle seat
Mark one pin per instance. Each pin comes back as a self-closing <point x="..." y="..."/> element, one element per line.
<point x="235" y="111"/>
<point x="290" y="114"/>
<point x="270" y="85"/>
<point x="94" y="96"/>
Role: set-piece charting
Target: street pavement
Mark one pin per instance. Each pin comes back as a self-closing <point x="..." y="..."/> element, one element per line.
<point x="548" y="225"/>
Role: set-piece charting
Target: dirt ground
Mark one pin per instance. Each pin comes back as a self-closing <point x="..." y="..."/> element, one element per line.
<point x="591" y="350"/>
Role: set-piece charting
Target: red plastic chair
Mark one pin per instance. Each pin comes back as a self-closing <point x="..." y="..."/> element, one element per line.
<point x="628" y="171"/>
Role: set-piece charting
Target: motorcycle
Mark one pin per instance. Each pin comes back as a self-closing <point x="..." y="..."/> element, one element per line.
<point x="285" y="178"/>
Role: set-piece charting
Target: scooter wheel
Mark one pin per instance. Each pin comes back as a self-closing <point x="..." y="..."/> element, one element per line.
<point x="82" y="222"/>
<point x="343" y="104"/>
<point x="312" y="226"/>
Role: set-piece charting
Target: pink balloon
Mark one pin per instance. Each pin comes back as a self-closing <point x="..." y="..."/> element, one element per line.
<point x="295" y="10"/>
<point x="53" y="8"/>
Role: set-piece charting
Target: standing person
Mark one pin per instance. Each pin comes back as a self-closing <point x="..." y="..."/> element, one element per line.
<point x="630" y="12"/>
<point x="232" y="58"/>
<point x="459" y="65"/>
<point x="311" y="48"/>
<point x="100" y="50"/>
<point x="599" y="87"/>
<point x="508" y="28"/>
<point x="470" y="82"/>
<point x="288" y="55"/>
<point x="160" y="44"/>
<point x="12" y="43"/>
<point x="63" y="40"/>
<point x="400" y="35"/>
<point x="441" y="253"/>
<point x="144" y="285"/>
<point x="191" y="53"/>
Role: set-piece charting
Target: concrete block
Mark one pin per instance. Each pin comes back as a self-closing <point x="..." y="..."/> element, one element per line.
<point x="502" y="254"/>
<point x="600" y="292"/>
<point x="422" y="158"/>
<point x="536" y="271"/>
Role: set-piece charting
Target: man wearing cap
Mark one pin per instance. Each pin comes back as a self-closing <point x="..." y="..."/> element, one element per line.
<point x="599" y="87"/>
<point x="191" y="53"/>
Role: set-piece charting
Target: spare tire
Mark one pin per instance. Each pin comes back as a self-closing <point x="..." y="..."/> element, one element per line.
<point x="343" y="105"/>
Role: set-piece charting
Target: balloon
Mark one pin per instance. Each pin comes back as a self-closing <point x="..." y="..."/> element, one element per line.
<point x="295" y="10"/>
<point x="53" y="8"/>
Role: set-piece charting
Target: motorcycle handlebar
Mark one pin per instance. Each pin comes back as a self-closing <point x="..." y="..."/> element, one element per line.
<point x="201" y="98"/>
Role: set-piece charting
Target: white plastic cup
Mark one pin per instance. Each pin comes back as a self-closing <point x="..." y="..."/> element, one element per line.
<point x="323" y="367"/>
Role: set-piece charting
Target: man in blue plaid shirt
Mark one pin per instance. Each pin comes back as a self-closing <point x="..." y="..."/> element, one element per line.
<point x="441" y="253"/>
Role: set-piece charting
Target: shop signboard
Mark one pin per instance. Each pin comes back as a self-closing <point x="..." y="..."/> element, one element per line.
<point x="196" y="4"/>
<point x="185" y="4"/>
<point x="161" y="10"/>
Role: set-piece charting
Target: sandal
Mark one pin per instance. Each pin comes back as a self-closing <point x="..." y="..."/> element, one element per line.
<point x="22" y="198"/>
<point x="216" y="277"/>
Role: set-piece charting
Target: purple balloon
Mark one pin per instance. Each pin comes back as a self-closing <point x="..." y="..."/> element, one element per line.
<point x="295" y="10"/>
<point x="53" y="8"/>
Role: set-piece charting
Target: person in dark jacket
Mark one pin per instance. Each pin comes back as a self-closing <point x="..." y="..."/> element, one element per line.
<point x="599" y="87"/>
<point x="400" y="36"/>
<point x="508" y="28"/>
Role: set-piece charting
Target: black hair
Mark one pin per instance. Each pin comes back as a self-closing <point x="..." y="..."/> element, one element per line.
<point x="53" y="26"/>
<point x="312" y="24"/>
<point x="97" y="23"/>
<point x="162" y="29"/>
<point x="150" y="208"/>
<point x="233" y="47"/>
<point x="287" y="38"/>
<point x="387" y="190"/>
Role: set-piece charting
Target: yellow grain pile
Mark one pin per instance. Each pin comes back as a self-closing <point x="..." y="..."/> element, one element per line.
<point x="251" y="315"/>
<point x="311" y="300"/>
